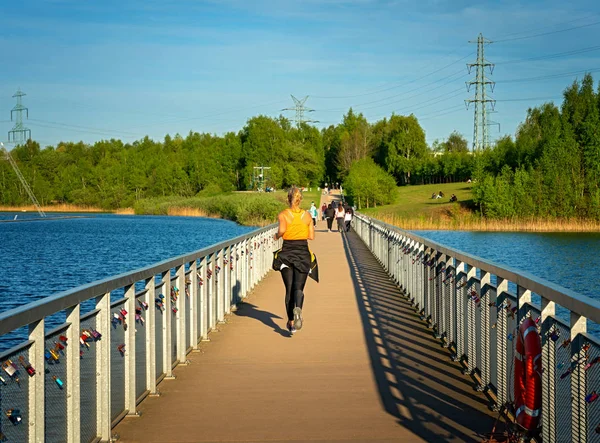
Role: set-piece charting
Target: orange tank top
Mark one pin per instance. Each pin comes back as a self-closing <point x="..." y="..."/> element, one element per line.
<point x="297" y="229"/>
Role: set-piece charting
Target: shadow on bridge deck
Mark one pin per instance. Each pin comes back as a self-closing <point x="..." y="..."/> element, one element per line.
<point x="388" y="381"/>
<point x="418" y="382"/>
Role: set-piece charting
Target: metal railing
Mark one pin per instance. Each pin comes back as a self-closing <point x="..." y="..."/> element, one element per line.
<point x="474" y="307"/>
<point x="75" y="382"/>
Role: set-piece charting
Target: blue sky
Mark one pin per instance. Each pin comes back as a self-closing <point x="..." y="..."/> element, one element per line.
<point x="99" y="69"/>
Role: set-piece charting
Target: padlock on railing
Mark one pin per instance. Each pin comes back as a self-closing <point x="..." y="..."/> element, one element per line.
<point x="58" y="381"/>
<point x="30" y="370"/>
<point x="14" y="416"/>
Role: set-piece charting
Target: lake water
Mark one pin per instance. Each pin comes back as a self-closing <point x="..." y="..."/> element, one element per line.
<point x="40" y="258"/>
<point x="568" y="259"/>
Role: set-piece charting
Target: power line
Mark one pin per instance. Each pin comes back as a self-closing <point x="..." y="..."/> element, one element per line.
<point x="529" y="99"/>
<point x="549" y="76"/>
<point x="433" y="101"/>
<point x="461" y="109"/>
<point x="85" y="131"/>
<point x="272" y="103"/>
<point x="360" y="105"/>
<point x="397" y="86"/>
<point x="546" y="33"/>
<point x="549" y="56"/>
<point x="548" y="26"/>
<point x="108" y="131"/>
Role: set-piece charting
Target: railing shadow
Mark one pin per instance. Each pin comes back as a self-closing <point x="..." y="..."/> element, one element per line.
<point x="245" y="309"/>
<point x="417" y="381"/>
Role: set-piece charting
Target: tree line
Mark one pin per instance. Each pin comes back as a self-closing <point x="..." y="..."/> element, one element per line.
<point x="551" y="168"/>
<point x="112" y="174"/>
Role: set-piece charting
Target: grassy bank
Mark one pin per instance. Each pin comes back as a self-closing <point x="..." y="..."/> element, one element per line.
<point x="244" y="208"/>
<point x="414" y="209"/>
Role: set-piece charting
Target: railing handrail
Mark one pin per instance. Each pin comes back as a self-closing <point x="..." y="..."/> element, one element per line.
<point x="567" y="298"/>
<point x="31" y="312"/>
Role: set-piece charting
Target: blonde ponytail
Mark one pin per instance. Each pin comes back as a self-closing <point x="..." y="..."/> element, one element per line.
<point x="294" y="197"/>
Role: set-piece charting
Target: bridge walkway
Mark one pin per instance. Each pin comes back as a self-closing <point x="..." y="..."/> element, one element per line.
<point x="363" y="369"/>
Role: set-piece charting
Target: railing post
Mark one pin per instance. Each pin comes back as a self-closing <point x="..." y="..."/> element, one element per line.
<point x="420" y="277"/>
<point x="149" y="298"/>
<point x="244" y="264"/>
<point x="441" y="293"/>
<point x="220" y="282"/>
<point x="73" y="375"/>
<point x="237" y="273"/>
<point x="471" y="321"/>
<point x="204" y="300"/>
<point x="435" y="292"/>
<point x="227" y="274"/>
<point x="486" y="297"/>
<point x="450" y="296"/>
<point x="502" y="343"/>
<point x="523" y="297"/>
<point x="36" y="384"/>
<point x="193" y="303"/>
<point x="211" y="291"/>
<point x="427" y="284"/>
<point x="180" y="316"/>
<point x="549" y="374"/>
<point x="103" y="376"/>
<point x="129" y="305"/>
<point x="578" y="379"/>
<point x="461" y="309"/>
<point x="167" y="319"/>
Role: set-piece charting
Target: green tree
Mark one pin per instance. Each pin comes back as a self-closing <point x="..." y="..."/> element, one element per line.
<point x="368" y="185"/>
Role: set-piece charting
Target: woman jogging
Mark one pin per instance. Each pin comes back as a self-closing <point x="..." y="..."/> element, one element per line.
<point x="295" y="227"/>
<point x="339" y="216"/>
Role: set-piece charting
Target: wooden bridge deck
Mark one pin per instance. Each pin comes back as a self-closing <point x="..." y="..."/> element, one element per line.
<point x="364" y="368"/>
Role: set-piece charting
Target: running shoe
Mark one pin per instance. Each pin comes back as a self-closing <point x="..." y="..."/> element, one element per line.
<point x="297" y="318"/>
<point x="291" y="329"/>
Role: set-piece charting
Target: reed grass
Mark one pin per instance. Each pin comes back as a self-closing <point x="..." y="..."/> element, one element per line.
<point x="475" y="223"/>
<point x="62" y="207"/>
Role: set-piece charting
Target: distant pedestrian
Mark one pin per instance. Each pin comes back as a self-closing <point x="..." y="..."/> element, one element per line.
<point x="294" y="259"/>
<point x="348" y="218"/>
<point x="323" y="209"/>
<point x="329" y="216"/>
<point x="313" y="213"/>
<point x="339" y="216"/>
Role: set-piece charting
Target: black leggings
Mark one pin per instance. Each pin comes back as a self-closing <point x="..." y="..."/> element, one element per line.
<point x="294" y="282"/>
<point x="329" y="223"/>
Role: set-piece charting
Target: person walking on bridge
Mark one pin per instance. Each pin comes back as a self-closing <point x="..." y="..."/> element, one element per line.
<point x="314" y="213"/>
<point x="329" y="216"/>
<point x="339" y="216"/>
<point x="296" y="228"/>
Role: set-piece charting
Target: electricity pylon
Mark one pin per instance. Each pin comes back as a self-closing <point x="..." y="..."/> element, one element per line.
<point x="484" y="104"/>
<point x="20" y="134"/>
<point x="300" y="110"/>
<point x="22" y="180"/>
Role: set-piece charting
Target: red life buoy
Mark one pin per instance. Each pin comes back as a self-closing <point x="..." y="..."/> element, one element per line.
<point x="528" y="376"/>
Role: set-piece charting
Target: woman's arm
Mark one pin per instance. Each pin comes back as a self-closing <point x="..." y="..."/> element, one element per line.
<point x="311" y="226"/>
<point x="282" y="226"/>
